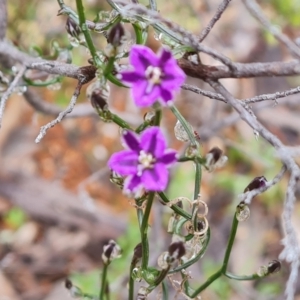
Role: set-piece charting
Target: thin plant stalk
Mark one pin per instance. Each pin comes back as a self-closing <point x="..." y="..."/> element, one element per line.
<point x="144" y="229"/>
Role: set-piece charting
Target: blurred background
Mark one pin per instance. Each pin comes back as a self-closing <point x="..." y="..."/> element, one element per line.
<point x="57" y="205"/>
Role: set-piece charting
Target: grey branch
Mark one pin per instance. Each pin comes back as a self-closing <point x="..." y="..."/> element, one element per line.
<point x="10" y="90"/>
<point x="214" y="20"/>
<point x="51" y="67"/>
<point x="241" y="70"/>
<point x="257" y="13"/>
<point x="69" y="109"/>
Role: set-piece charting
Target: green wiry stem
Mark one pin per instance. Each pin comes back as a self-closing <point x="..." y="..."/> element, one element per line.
<point x="222" y="270"/>
<point x="233" y="231"/>
<point x="144" y="229"/>
<point x="198" y="174"/>
<point x="103" y="282"/>
<point x="243" y="277"/>
<point x="86" y="33"/>
<point x="162" y="275"/>
<point x="131" y="284"/>
<point x="175" y="208"/>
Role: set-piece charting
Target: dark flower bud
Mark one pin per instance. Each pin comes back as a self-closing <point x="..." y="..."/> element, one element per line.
<point x="256" y="183"/>
<point x="215" y="159"/>
<point x="97" y="100"/>
<point x="274" y="266"/>
<point x="137" y="254"/>
<point x="72" y="28"/>
<point x="176" y="251"/>
<point x="68" y="284"/>
<point x="75" y="292"/>
<point x="111" y="251"/>
<point x="116" y="35"/>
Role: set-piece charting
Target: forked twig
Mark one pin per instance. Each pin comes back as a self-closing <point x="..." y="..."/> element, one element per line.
<point x="9" y="91"/>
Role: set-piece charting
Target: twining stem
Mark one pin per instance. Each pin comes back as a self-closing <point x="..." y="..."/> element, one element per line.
<point x="185" y="125"/>
<point x="162" y="275"/>
<point x="119" y="121"/>
<point x="139" y="39"/>
<point x="243" y="277"/>
<point x="233" y="231"/>
<point x="86" y="33"/>
<point x="158" y="115"/>
<point x="165" y="294"/>
<point x="222" y="270"/>
<point x="131" y="284"/>
<point x="198" y="175"/>
<point x="175" y="208"/>
<point x="144" y="229"/>
<point x="103" y="281"/>
<point x="196" y="258"/>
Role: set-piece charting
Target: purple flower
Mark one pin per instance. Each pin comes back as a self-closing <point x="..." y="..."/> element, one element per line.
<point x="154" y="78"/>
<point x="145" y="162"/>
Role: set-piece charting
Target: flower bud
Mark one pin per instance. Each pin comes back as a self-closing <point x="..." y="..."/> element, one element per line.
<point x="98" y="101"/>
<point x="137" y="254"/>
<point x="142" y="293"/>
<point x="117" y="179"/>
<point x="242" y="212"/>
<point x="111" y="251"/>
<point x="274" y="266"/>
<point x="115" y="35"/>
<point x="176" y="251"/>
<point x="72" y="28"/>
<point x="75" y="292"/>
<point x="215" y="159"/>
<point x="256" y="183"/>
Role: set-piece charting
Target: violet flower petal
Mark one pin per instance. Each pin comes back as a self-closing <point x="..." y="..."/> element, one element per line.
<point x="169" y="157"/>
<point x="124" y="162"/>
<point x="153" y="141"/>
<point x="155" y="179"/>
<point x="132" y="183"/>
<point x="132" y="141"/>
<point x="140" y="95"/>
<point x="166" y="95"/>
<point x="164" y="57"/>
<point x="131" y="77"/>
<point x="142" y="57"/>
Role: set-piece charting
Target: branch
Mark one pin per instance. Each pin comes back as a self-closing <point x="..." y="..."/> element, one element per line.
<point x="176" y="32"/>
<point x="214" y="20"/>
<point x="273" y="96"/>
<point x="257" y="13"/>
<point x="199" y="91"/>
<point x="9" y="91"/>
<point x="241" y="70"/>
<point x="50" y="67"/>
<point x="69" y="109"/>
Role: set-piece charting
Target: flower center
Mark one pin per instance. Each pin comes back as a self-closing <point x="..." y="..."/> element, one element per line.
<point x="146" y="161"/>
<point x="153" y="74"/>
